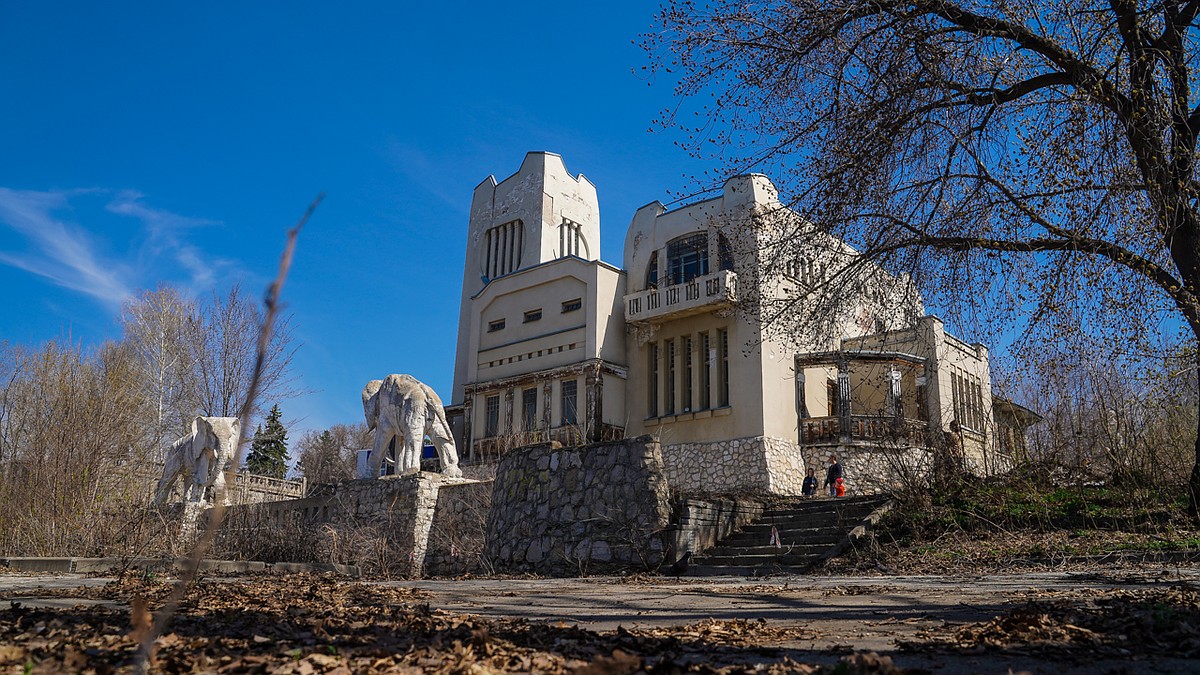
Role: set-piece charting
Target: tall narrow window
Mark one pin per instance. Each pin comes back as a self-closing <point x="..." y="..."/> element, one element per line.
<point x="503" y="246"/>
<point x="723" y="368"/>
<point x="653" y="370"/>
<point x="529" y="399"/>
<point x="707" y="356"/>
<point x="569" y="398"/>
<point x="669" y="404"/>
<point x="956" y="397"/>
<point x="724" y="252"/>
<point x="652" y="271"/>
<point x="831" y="395"/>
<point x="491" y="425"/>
<point x="688" y="371"/>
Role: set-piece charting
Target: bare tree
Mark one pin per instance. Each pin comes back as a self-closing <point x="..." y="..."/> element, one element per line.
<point x="156" y="328"/>
<point x="223" y="339"/>
<point x="331" y="455"/>
<point x="1039" y="155"/>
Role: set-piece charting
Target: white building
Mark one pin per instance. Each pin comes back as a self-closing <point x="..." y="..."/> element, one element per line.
<point x="555" y="344"/>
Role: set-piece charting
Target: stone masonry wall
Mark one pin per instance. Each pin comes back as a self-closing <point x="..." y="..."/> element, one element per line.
<point x="572" y="510"/>
<point x="871" y="469"/>
<point x="755" y="465"/>
<point x="388" y="519"/>
<point x="458" y="529"/>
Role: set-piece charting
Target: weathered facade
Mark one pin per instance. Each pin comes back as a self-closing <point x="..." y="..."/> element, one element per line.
<point x="666" y="346"/>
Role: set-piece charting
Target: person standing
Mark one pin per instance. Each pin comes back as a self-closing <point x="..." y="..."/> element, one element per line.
<point x="809" y="489"/>
<point x="832" y="475"/>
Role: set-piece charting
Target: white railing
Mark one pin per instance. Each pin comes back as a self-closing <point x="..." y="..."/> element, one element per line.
<point x="699" y="294"/>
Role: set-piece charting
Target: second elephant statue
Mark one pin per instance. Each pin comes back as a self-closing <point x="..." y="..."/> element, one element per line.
<point x="402" y="408"/>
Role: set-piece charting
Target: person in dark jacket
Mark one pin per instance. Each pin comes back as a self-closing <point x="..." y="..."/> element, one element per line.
<point x="832" y="475"/>
<point x="809" y="489"/>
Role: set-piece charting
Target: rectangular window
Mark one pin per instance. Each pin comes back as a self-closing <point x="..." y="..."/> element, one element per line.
<point x="496" y="325"/>
<point x="529" y="399"/>
<point x="955" y="397"/>
<point x="572" y="305"/>
<point x="723" y="368"/>
<point x="687" y="374"/>
<point x="669" y="404"/>
<point x="533" y="315"/>
<point x="706" y="362"/>
<point x="653" y="393"/>
<point x="491" y="425"/>
<point x="569" y="390"/>
<point x="831" y="395"/>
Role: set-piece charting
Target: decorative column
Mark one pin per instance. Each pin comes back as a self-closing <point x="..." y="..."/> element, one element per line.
<point x="843" y="381"/>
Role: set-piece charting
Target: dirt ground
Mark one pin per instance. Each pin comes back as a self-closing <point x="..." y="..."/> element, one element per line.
<point x="1146" y="620"/>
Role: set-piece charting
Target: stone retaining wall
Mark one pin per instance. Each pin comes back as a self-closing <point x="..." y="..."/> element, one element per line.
<point x="871" y="469"/>
<point x="755" y="465"/>
<point x="384" y="523"/>
<point x="573" y="510"/>
<point x="458" y="529"/>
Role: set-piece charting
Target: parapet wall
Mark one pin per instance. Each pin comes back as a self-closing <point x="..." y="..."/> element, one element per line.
<point x="392" y="516"/>
<point x="562" y="510"/>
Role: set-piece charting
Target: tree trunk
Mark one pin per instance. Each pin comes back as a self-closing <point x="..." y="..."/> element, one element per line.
<point x="1194" y="480"/>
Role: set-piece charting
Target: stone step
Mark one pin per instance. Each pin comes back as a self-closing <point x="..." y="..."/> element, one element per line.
<point x="740" y="541"/>
<point x="787" y="560"/>
<point x="806" y="549"/>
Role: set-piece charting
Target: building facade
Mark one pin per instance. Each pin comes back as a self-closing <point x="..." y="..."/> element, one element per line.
<point x="556" y="344"/>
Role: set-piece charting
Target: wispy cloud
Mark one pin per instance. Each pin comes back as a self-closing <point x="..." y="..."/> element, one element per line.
<point x="78" y="257"/>
<point x="163" y="230"/>
<point x="61" y="252"/>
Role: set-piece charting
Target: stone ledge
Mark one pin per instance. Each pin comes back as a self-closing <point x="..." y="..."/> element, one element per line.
<point x="102" y="565"/>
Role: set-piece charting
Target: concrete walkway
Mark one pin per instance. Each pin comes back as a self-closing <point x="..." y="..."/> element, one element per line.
<point x="843" y="614"/>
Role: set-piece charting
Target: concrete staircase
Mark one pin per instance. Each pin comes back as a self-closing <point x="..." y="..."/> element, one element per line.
<point x="810" y="531"/>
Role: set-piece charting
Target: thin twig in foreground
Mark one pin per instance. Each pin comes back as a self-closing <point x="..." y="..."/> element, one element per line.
<point x="217" y="513"/>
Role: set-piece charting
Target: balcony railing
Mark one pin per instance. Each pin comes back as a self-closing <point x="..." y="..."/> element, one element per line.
<point x="863" y="429"/>
<point x="698" y="295"/>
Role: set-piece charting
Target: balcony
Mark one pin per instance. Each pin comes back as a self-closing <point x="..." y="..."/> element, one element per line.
<point x="702" y="294"/>
<point x="864" y="430"/>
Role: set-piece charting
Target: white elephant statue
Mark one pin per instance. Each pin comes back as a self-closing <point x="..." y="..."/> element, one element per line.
<point x="202" y="458"/>
<point x="400" y="407"/>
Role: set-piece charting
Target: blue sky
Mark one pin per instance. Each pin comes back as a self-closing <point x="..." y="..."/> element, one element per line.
<point x="151" y="143"/>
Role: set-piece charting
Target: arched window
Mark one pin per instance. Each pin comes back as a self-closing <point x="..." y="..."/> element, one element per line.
<point x="652" y="271"/>
<point x="503" y="246"/>
<point x="687" y="258"/>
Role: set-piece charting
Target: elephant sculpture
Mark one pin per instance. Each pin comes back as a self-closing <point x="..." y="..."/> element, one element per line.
<point x="400" y="407"/>
<point x="201" y="458"/>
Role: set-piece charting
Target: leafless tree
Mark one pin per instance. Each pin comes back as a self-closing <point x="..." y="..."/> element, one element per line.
<point x="1039" y="156"/>
<point x="331" y="455"/>
<point x="156" y="329"/>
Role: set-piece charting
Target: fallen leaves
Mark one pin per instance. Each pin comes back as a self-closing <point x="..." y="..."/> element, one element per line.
<point x="312" y="624"/>
<point x="1154" y="621"/>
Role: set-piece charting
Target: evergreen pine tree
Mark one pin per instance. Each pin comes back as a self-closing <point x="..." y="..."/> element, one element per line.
<point x="268" y="448"/>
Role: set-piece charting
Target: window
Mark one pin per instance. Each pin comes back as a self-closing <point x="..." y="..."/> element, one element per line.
<point x="569" y="391"/>
<point x="496" y="325"/>
<point x="652" y="271"/>
<point x="831" y="395"/>
<point x="724" y="252"/>
<point x="491" y="426"/>
<point x="687" y="258"/>
<point x="687" y="374"/>
<point x="502" y="248"/>
<point x="669" y="404"/>
<point x="723" y="370"/>
<point x="529" y="408"/>
<point x="706" y="362"/>
<point x="653" y="393"/>
<point x="570" y="239"/>
<point x="572" y="305"/>
<point x="533" y="315"/>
